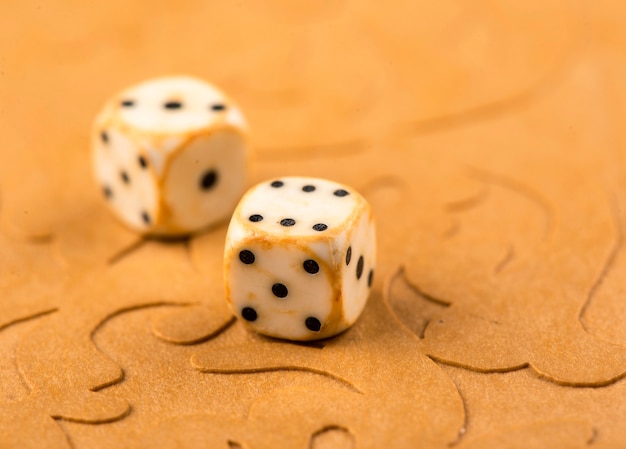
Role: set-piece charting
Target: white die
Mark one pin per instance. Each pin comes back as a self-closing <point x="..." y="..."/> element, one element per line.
<point x="170" y="155"/>
<point x="299" y="258"/>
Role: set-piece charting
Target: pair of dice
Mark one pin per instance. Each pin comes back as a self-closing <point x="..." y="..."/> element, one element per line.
<point x="171" y="158"/>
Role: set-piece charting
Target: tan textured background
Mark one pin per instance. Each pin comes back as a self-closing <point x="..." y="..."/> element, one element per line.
<point x="488" y="137"/>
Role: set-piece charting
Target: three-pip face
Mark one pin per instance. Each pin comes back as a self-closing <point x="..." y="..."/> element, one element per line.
<point x="299" y="258"/>
<point x="171" y="155"/>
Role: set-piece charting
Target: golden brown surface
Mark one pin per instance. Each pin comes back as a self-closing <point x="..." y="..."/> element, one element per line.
<point x="489" y="139"/>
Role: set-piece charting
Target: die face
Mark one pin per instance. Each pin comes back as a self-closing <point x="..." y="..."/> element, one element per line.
<point x="192" y="143"/>
<point x="299" y="206"/>
<point x="175" y="105"/>
<point x="261" y="251"/>
<point x="282" y="291"/>
<point x="125" y="179"/>
<point x="358" y="266"/>
<point x="205" y="179"/>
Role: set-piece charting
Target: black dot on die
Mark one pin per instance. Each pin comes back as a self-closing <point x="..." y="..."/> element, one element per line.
<point x="308" y="188"/>
<point x="208" y="179"/>
<point x="145" y="217"/>
<point x="104" y="137"/>
<point x="108" y="193"/>
<point x="172" y="105"/>
<point x="249" y="314"/>
<point x="287" y="222"/>
<point x="218" y="107"/>
<point x="311" y="266"/>
<point x="143" y="163"/>
<point x="313" y="324"/>
<point x="320" y="227"/>
<point x="349" y="255"/>
<point x="247" y="257"/>
<point x="124" y="177"/>
<point x="277" y="184"/>
<point x="370" y="278"/>
<point x="279" y="290"/>
<point x="255" y="218"/>
<point x="359" y="268"/>
<point x="127" y="103"/>
<point x="341" y="193"/>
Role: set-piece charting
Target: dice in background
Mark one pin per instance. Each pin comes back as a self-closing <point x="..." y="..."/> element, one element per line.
<point x="299" y="258"/>
<point x="171" y="155"/>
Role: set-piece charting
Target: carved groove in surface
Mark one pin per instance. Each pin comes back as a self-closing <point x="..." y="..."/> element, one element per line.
<point x="609" y="262"/>
<point x="270" y="369"/>
<point x="415" y="290"/>
<point x="506" y="260"/>
<point x="463" y="429"/>
<point x="486" y="111"/>
<point x="28" y="318"/>
<point x="328" y="429"/>
<point x="97" y="328"/>
<point x="125" y="252"/>
<point x="469" y="202"/>
<point x="340" y="149"/>
<point x="535" y="197"/>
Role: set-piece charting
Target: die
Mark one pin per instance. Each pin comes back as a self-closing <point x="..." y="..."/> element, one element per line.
<point x="299" y="258"/>
<point x="170" y="155"/>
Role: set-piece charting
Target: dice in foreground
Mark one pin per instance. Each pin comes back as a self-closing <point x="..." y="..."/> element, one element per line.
<point x="299" y="258"/>
<point x="170" y="155"/>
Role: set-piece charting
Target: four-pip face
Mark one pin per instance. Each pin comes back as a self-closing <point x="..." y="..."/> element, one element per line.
<point x="170" y="155"/>
<point x="299" y="258"/>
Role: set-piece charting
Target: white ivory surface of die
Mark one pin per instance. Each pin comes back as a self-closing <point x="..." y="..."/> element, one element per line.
<point x="157" y="159"/>
<point x="362" y="242"/>
<point x="308" y="295"/>
<point x="235" y="117"/>
<point x="158" y="153"/>
<point x="350" y="223"/>
<point x="320" y="206"/>
<point x="148" y="113"/>
<point x="224" y="154"/>
<point x="131" y="200"/>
